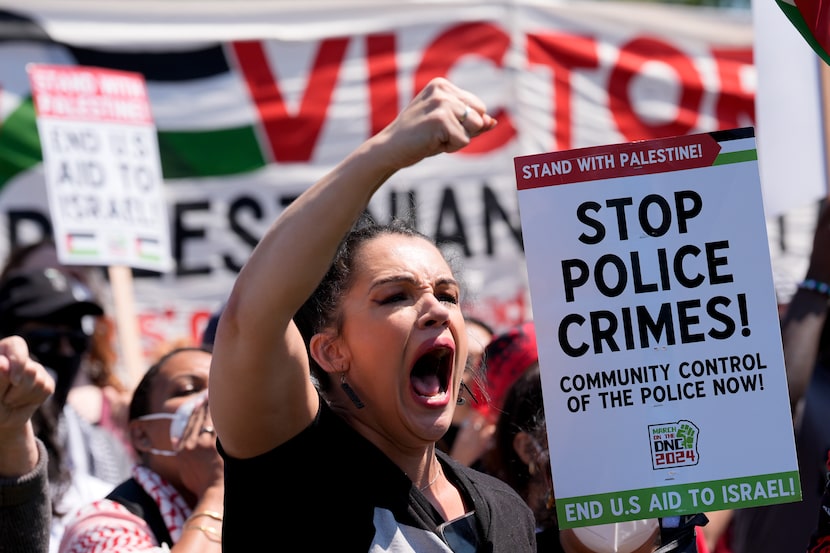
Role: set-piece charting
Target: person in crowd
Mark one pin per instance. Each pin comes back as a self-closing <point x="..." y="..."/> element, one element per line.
<point x="50" y="310"/>
<point x="520" y="454"/>
<point x="480" y="333"/>
<point x="470" y="433"/>
<point x="347" y="459"/>
<point x="506" y="357"/>
<point x="174" y="499"/>
<point x="805" y="332"/>
<point x="25" y="504"/>
<point x="501" y="361"/>
<point x="98" y="394"/>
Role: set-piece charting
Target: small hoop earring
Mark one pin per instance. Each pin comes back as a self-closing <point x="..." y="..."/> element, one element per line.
<point x="349" y="391"/>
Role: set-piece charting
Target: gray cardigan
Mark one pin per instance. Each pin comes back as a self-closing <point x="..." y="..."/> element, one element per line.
<point x="26" y="510"/>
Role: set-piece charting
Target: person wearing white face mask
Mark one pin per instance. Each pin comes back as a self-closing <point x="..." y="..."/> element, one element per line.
<point x="174" y="500"/>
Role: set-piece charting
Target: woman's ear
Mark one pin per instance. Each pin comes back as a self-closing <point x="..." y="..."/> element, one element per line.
<point x="329" y="352"/>
<point x="526" y="447"/>
<point x="139" y="437"/>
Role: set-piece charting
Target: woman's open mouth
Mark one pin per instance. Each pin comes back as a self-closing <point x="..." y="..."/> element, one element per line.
<point x="430" y="377"/>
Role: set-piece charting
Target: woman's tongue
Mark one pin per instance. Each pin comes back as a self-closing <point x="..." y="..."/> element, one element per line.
<point x="426" y="384"/>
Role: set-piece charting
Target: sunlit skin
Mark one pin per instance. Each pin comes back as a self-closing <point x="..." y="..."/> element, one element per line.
<point x="403" y="302"/>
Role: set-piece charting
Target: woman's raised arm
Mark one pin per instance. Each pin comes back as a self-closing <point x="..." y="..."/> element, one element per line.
<point x="260" y="391"/>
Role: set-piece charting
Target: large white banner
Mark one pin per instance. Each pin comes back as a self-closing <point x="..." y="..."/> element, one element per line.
<point x="253" y="101"/>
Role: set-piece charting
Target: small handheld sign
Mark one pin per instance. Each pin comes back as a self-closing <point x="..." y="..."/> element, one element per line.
<point x="656" y="317"/>
<point x="103" y="174"/>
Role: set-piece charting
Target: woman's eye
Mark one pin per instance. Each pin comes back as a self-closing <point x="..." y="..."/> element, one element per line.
<point x="393" y="298"/>
<point x="448" y="298"/>
<point x="189" y="390"/>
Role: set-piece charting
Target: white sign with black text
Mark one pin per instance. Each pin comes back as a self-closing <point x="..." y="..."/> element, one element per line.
<point x="657" y="324"/>
<point x="102" y="168"/>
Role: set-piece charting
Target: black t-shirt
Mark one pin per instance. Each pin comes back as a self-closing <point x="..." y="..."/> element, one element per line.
<point x="330" y="489"/>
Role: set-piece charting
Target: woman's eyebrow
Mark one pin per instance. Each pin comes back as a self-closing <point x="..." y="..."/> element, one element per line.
<point x="448" y="281"/>
<point x="409" y="279"/>
<point x="394" y="279"/>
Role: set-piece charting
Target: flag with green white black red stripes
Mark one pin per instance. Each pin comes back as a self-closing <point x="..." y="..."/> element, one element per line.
<point x="195" y="93"/>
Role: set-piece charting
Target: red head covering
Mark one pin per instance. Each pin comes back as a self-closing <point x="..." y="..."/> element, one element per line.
<point x="506" y="357"/>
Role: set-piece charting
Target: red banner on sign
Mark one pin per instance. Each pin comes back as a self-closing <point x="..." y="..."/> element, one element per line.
<point x="616" y="160"/>
<point x="89" y="94"/>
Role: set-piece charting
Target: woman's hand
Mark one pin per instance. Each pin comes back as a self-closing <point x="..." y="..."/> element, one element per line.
<point x="200" y="465"/>
<point x="441" y="118"/>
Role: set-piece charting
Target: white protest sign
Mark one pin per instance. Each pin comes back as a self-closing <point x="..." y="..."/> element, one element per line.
<point x="102" y="167"/>
<point x="659" y="343"/>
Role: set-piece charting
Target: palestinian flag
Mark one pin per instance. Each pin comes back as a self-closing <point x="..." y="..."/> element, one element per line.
<point x="204" y="130"/>
<point x="82" y="243"/>
<point x="812" y="19"/>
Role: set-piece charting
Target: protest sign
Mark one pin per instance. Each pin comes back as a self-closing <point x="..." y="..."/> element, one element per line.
<point x="102" y="168"/>
<point x="662" y="368"/>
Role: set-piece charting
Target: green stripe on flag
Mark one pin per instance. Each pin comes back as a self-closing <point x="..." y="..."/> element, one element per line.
<point x="736" y="157"/>
<point x="19" y="142"/>
<point x="795" y="17"/>
<point x="209" y="153"/>
<point x="183" y="154"/>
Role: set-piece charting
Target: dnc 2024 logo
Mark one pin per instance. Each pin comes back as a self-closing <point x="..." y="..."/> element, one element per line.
<point x="673" y="444"/>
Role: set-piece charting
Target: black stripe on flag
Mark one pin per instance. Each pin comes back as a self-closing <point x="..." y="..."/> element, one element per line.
<point x="733" y="134"/>
<point x="162" y="66"/>
<point x="169" y="66"/>
<point x="14" y="26"/>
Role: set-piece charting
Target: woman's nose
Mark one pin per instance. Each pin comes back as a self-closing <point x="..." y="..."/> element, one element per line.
<point x="435" y="312"/>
